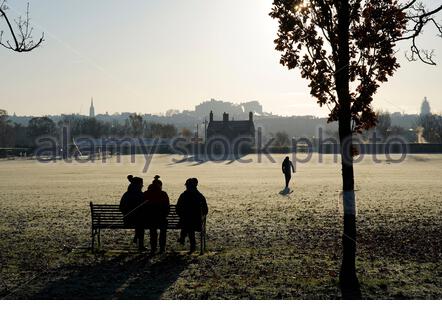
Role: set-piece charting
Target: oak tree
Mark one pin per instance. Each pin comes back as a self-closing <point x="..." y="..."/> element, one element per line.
<point x="346" y="49"/>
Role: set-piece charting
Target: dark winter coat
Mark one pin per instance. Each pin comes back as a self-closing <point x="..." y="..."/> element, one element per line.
<point x="131" y="206"/>
<point x="191" y="206"/>
<point x="157" y="207"/>
<point x="287" y="167"/>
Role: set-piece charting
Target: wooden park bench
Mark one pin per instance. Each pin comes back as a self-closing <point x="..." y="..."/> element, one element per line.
<point x="109" y="216"/>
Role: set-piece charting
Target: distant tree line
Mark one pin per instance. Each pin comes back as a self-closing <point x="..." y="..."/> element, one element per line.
<point x="19" y="135"/>
<point x="23" y="135"/>
<point x="294" y="126"/>
<point x="385" y="129"/>
<point x="428" y="126"/>
<point x="431" y="125"/>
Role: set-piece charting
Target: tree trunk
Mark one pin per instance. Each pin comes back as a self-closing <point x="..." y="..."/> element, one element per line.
<point x="348" y="280"/>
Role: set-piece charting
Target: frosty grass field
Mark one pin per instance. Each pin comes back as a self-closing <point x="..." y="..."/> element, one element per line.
<point x="260" y="244"/>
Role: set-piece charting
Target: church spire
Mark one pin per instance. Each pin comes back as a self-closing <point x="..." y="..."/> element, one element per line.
<point x="92" y="108"/>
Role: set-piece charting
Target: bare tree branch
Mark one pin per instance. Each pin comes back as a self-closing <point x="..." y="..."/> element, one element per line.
<point x="408" y="5"/>
<point x="419" y="17"/>
<point x="22" y="37"/>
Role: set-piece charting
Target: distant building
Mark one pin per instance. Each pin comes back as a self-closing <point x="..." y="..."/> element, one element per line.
<point x="252" y="106"/>
<point x="92" y="109"/>
<point x="425" y="108"/>
<point x="231" y="130"/>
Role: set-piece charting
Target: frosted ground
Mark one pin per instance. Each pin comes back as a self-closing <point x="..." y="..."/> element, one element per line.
<point x="260" y="244"/>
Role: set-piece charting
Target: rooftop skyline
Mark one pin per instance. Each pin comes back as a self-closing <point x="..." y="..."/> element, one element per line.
<point x="424" y="108"/>
<point x="151" y="56"/>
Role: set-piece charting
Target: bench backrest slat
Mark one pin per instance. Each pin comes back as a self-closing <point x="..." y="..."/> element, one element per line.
<point x="110" y="216"/>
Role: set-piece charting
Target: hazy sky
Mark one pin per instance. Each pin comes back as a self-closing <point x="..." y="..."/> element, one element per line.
<point x="149" y="56"/>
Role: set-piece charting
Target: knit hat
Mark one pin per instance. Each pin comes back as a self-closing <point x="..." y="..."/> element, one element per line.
<point x="134" y="180"/>
<point x="156" y="180"/>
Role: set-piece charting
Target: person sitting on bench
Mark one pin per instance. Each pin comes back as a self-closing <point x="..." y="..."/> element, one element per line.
<point x="191" y="206"/>
<point x="157" y="209"/>
<point x="131" y="205"/>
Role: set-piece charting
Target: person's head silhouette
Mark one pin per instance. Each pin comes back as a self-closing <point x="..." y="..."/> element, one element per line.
<point x="191" y="183"/>
<point x="135" y="182"/>
<point x="156" y="183"/>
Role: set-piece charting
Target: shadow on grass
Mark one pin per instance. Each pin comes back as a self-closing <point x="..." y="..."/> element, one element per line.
<point x="285" y="192"/>
<point x="198" y="160"/>
<point x="123" y="277"/>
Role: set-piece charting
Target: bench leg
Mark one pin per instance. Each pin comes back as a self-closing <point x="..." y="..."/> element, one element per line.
<point x="201" y="243"/>
<point x="99" y="238"/>
<point x="93" y="240"/>
<point x="203" y="236"/>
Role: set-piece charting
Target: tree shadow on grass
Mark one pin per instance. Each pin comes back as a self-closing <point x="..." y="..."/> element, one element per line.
<point x="124" y="277"/>
<point x="197" y="160"/>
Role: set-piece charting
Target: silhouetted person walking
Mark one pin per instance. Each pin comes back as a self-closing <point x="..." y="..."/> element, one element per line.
<point x="191" y="207"/>
<point x="157" y="208"/>
<point x="131" y="205"/>
<point x="287" y="169"/>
